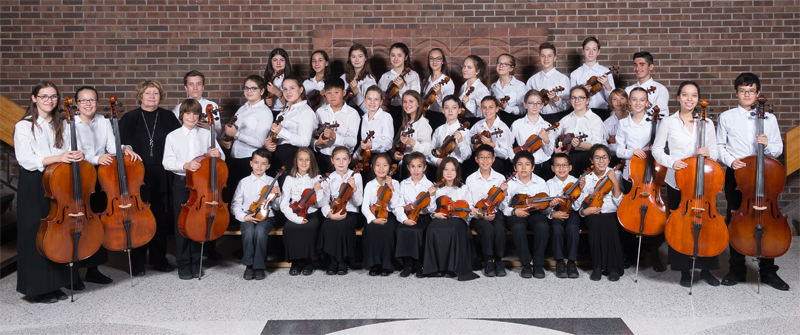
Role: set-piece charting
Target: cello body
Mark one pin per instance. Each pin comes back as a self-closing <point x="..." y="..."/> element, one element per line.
<point x="642" y="210"/>
<point x="205" y="217"/>
<point x="123" y="209"/>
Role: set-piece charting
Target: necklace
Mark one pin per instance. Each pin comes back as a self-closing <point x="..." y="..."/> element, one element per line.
<point x="148" y="131"/>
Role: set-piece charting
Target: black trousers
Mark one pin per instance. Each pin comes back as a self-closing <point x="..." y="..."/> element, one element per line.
<point x="519" y="232"/>
<point x="569" y="228"/>
<point x="679" y="261"/>
<point x="187" y="252"/>
<point x="737" y="260"/>
<point x="492" y="235"/>
<point x="508" y="118"/>
<point x="158" y="245"/>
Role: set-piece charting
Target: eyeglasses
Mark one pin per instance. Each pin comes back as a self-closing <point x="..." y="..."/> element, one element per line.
<point x="250" y="89"/>
<point x="577" y="98"/>
<point x="436" y="59"/>
<point x="482" y="158"/>
<point x="46" y="97"/>
<point x="87" y="101"/>
<point x="535" y="104"/>
<point x="747" y="92"/>
<point x="601" y="158"/>
<point x="561" y="166"/>
<point x="503" y="64"/>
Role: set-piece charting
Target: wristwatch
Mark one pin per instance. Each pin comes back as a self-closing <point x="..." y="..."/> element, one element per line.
<point x="236" y="137"/>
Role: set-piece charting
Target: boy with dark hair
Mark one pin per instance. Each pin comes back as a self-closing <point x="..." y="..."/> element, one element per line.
<point x="643" y="67"/>
<point x="564" y="221"/>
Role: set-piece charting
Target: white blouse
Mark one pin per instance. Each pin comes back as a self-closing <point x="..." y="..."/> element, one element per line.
<point x="249" y="191"/>
<point x="97" y="138"/>
<point x="371" y="197"/>
<point x="523" y="128"/>
<point x="682" y="143"/>
<point x="293" y="187"/>
<point x="32" y="147"/>
<point x="412" y="83"/>
<point x="632" y="136"/>
<point x="254" y="123"/>
<point x="310" y="85"/>
<point x="298" y="125"/>
<point x="610" y="203"/>
<point x="358" y="100"/>
<point x="346" y="133"/>
<point x="503" y="141"/>
<point x="381" y="124"/>
<point x="447" y="88"/>
<point x="455" y="193"/>
<point x="422" y="135"/>
<point x="549" y="81"/>
<point x="589" y="124"/>
<point x="515" y="90"/>
<point x="184" y="145"/>
<point x="473" y="106"/>
<point x="277" y="105"/>
<point x="407" y="193"/>
<point x="332" y="185"/>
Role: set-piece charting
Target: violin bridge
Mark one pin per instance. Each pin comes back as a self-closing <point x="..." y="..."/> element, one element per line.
<point x="76" y="214"/>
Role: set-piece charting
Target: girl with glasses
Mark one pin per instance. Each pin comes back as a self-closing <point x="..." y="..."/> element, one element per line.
<point x="534" y="124"/>
<point x="437" y="72"/>
<point x="582" y="121"/>
<point x="508" y="86"/>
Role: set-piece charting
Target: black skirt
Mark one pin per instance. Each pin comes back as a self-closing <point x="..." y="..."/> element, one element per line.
<point x="337" y="239"/>
<point x="448" y="247"/>
<point x="35" y="274"/>
<point x="411" y="239"/>
<point x="378" y="244"/>
<point x="604" y="243"/>
<point x="300" y="240"/>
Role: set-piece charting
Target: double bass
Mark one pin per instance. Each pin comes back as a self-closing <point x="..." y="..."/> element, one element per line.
<point x="128" y="221"/>
<point x="757" y="228"/>
<point x="204" y="217"/>
<point x="70" y="232"/>
<point x="696" y="229"/>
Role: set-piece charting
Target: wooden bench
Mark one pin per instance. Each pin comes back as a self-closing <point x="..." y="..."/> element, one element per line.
<point x="359" y="231"/>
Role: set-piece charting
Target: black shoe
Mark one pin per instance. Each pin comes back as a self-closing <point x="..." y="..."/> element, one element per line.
<point x="538" y="272"/>
<point x="197" y="273"/>
<point x="97" y="278"/>
<point x="686" y="279"/>
<point x="406" y="271"/>
<point x="248" y="273"/>
<point x="386" y="272"/>
<point x="438" y="274"/>
<point x="374" y="271"/>
<point x="597" y="274"/>
<point x="572" y="270"/>
<point x="613" y="276"/>
<point x="308" y="269"/>
<point x="499" y="268"/>
<point x="260" y="274"/>
<point x="709" y="278"/>
<point x="526" y="272"/>
<point x="342" y="272"/>
<point x="294" y="269"/>
<point x="449" y="274"/>
<point x="47" y="298"/>
<point x="732" y="278"/>
<point x="138" y="270"/>
<point x="163" y="267"/>
<point x="488" y="270"/>
<point x="657" y="266"/>
<point x="773" y="280"/>
<point x="628" y="263"/>
<point x="79" y="286"/>
<point x="561" y="269"/>
<point x="185" y="272"/>
<point x="418" y="270"/>
<point x="331" y="271"/>
<point x="213" y="255"/>
<point x="60" y="295"/>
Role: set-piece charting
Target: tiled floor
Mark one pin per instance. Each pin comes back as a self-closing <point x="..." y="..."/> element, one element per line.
<point x="224" y="303"/>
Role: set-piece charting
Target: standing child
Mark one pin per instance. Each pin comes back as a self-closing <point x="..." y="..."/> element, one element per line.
<point x="437" y="72"/>
<point x="357" y="66"/>
<point x="475" y="75"/>
<point x="278" y="68"/>
<point x="378" y="238"/>
<point x="548" y="79"/>
<point x="296" y="129"/>
<point x="194" y="82"/>
<point x="591" y="68"/>
<point x="619" y="101"/>
<point x="643" y="68"/>
<point x="336" y="112"/>
<point x="315" y="85"/>
<point x="400" y="59"/>
<point x="508" y="86"/>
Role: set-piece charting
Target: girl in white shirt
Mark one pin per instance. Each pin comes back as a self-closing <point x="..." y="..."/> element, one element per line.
<point x="400" y="59"/>
<point x="410" y="233"/>
<point x="509" y="86"/>
<point x="378" y="238"/>
<point x="278" y="63"/>
<point x="315" y="84"/>
<point x="296" y="129"/>
<point x="420" y="139"/>
<point x="534" y="124"/>
<point x="463" y="146"/>
<point x="357" y="65"/>
<point x="337" y="236"/>
<point x="620" y="105"/>
<point x="582" y="121"/>
<point x="437" y="73"/>
<point x="475" y="75"/>
<point x="378" y="121"/>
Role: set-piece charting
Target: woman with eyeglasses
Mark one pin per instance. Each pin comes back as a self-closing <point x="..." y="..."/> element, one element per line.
<point x="437" y="72"/>
<point x="582" y="121"/>
<point x="531" y="124"/>
<point x="509" y="86"/>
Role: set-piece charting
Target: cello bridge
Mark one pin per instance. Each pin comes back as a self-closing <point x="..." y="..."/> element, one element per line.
<point x="696" y="209"/>
<point x="125" y="206"/>
<point x="759" y="208"/>
<point x="212" y="203"/>
<point x="645" y="194"/>
<point x="76" y="214"/>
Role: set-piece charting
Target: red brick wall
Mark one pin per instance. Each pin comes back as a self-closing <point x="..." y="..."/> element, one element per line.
<point x="114" y="44"/>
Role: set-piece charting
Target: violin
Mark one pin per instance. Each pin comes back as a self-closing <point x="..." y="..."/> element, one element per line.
<point x="381" y="207"/>
<point x="466" y="94"/>
<point x="277" y="74"/>
<point x="488" y="205"/>
<point x="128" y="221"/>
<point x="696" y="228"/>
<point x="413" y="209"/>
<point x="757" y="228"/>
<point x="430" y="97"/>
<point x="348" y="95"/>
<point x="366" y="155"/>
<point x="321" y="130"/>
<point x="544" y="92"/>
<point x="204" y="217"/>
<point x="400" y="146"/>
<point x="392" y="91"/>
<point x="572" y="193"/>
<point x="448" y="207"/>
<point x="314" y="98"/>
<point x="477" y="138"/>
<point x="339" y="204"/>
<point x="534" y="143"/>
<point x="273" y="137"/>
<point x="260" y="207"/>
<point x="307" y="199"/>
<point x="504" y="100"/>
<point x="601" y="189"/>
<point x="70" y="232"/>
<point x="650" y="89"/>
<point x="529" y="203"/>
<point x="449" y="143"/>
<point x="232" y="123"/>
<point x="564" y="141"/>
<point x="596" y="86"/>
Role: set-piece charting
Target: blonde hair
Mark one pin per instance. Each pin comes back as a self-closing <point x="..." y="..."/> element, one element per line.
<point x="139" y="91"/>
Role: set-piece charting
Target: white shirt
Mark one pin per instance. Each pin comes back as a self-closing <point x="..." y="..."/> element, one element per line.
<point x="463" y="149"/>
<point x="447" y="88"/>
<point x="277" y="105"/>
<point x="682" y="143"/>
<point x="456" y="194"/>
<point x="381" y="124"/>
<point x="610" y="203"/>
<point x="292" y="191"/>
<point x="412" y="83"/>
<point x="254" y="123"/>
<point x="589" y="124"/>
<point x="533" y="187"/>
<point x="331" y="187"/>
<point x="581" y="76"/>
<point x="523" y="128"/>
<point x="555" y="187"/>
<point x="473" y="106"/>
<point x="479" y="187"/>
<point x="407" y="193"/>
<point x="184" y="145"/>
<point x="611" y="128"/>
<point x="32" y="147"/>
<point x="249" y="191"/>
<point x="371" y="197"/>
<point x="363" y="85"/>
<point x="310" y="85"/>
<point x="549" y="81"/>
<point x="298" y="125"/>
<point x="502" y="141"/>
<point x="346" y="134"/>
<point x="736" y="135"/>
<point x="422" y="135"/>
<point x="203" y="103"/>
<point x="515" y="90"/>
<point x="97" y="138"/>
<point x="658" y="98"/>
<point x="632" y="136"/>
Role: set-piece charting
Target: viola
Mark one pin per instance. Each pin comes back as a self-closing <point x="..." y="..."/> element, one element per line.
<point x="400" y="146"/>
<point x="339" y="204"/>
<point x="601" y="189"/>
<point x="232" y="123"/>
<point x="449" y="207"/>
<point x="277" y="74"/>
<point x="392" y="91"/>
<point x="321" y="130"/>
<point x="260" y="207"/>
<point x="449" y="143"/>
<point x="529" y="203"/>
<point x="544" y="92"/>
<point x="381" y="207"/>
<point x="477" y="138"/>
<point x="128" y="221"/>
<point x="564" y="141"/>
<point x="307" y="199"/>
<point x="596" y="86"/>
<point x="572" y="193"/>
<point x="273" y="137"/>
<point x="423" y="200"/>
<point x="348" y="95"/>
<point x="366" y="155"/>
<point x="430" y="97"/>
<point x="534" y="143"/>
<point x="757" y="228"/>
<point x="488" y="205"/>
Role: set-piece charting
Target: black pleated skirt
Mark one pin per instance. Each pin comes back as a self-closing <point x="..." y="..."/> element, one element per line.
<point x="337" y="239"/>
<point x="448" y="247"/>
<point x="300" y="240"/>
<point x="411" y="239"/>
<point x="378" y="244"/>
<point x="604" y="243"/>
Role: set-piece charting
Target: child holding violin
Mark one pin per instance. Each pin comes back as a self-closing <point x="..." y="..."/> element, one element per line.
<point x="508" y="86"/>
<point x="295" y="130"/>
<point x="549" y="79"/>
<point x="278" y="68"/>
<point x="488" y="223"/>
<point x="679" y="131"/>
<point x="491" y="131"/>
<point x="315" y="85"/>
<point x="532" y="125"/>
<point x="194" y="83"/>
<point x="736" y="140"/>
<point x="585" y="127"/>
<point x="415" y="136"/>
<point x="475" y="74"/>
<point x="336" y="112"/>
<point x="398" y="76"/>
<point x="564" y="222"/>
<point x="448" y="240"/>
<point x="381" y="196"/>
<point x="591" y="68"/>
<point x="357" y="77"/>
<point x="300" y="187"/>
<point x="377" y="121"/>
<point x="254" y="232"/>
<point x="411" y="233"/>
<point x="453" y="135"/>
<point x="520" y="220"/>
<point x="604" y="241"/>
<point x="439" y="84"/>
<point x="183" y="146"/>
<point x="337" y="236"/>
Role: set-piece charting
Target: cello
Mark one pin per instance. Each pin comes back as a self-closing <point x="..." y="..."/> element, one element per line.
<point x="204" y="217"/>
<point x="642" y="211"/>
<point x="757" y="228"/>
<point x="534" y="143"/>
<point x="70" y="232"/>
<point x="128" y="221"/>
<point x="696" y="229"/>
<point x="449" y="143"/>
<point x="381" y="207"/>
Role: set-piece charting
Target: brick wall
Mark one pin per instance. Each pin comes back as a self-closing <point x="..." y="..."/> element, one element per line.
<point x="114" y="44"/>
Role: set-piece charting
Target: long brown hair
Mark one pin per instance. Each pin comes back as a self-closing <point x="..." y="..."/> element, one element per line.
<point x="313" y="169"/>
<point x="349" y="70"/>
<point x="32" y="114"/>
<point x="417" y="114"/>
<point x="458" y="181"/>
